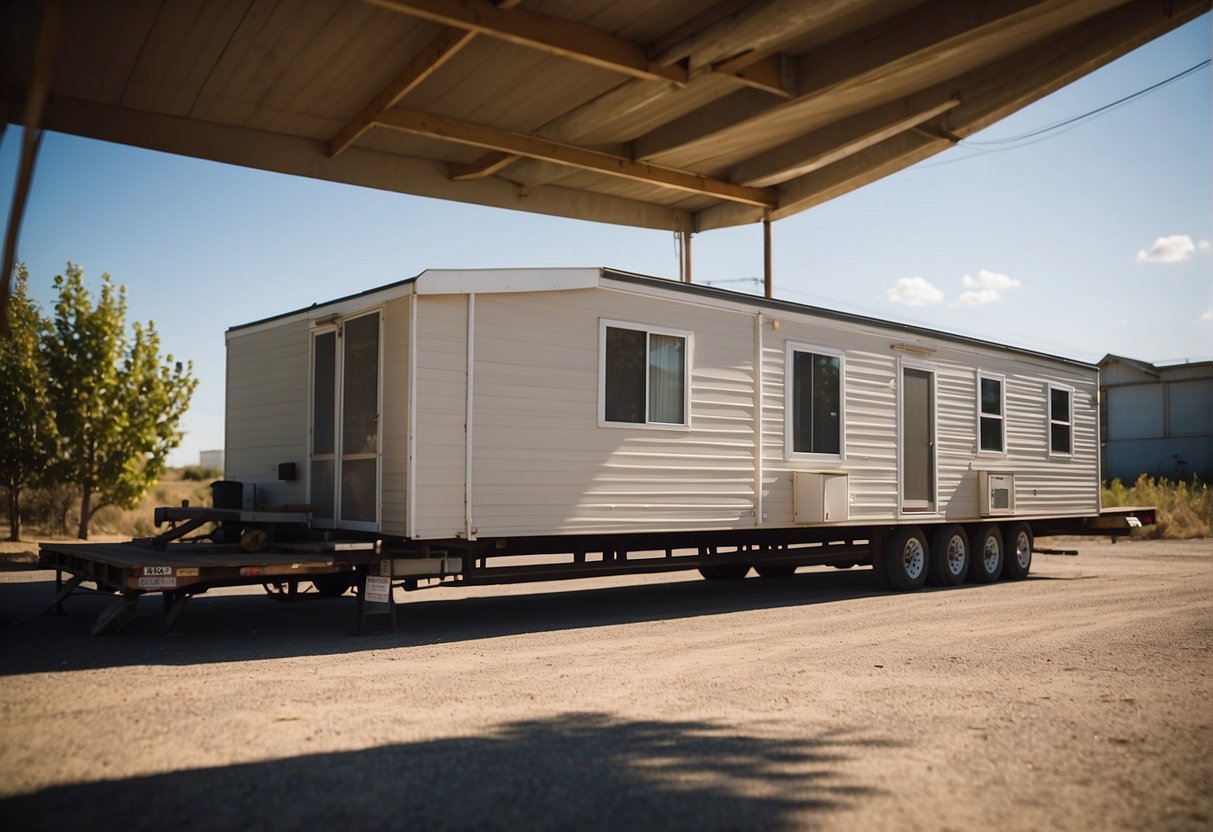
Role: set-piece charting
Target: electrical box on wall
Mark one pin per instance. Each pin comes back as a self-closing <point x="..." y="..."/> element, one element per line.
<point x="820" y="497"/>
<point x="996" y="493"/>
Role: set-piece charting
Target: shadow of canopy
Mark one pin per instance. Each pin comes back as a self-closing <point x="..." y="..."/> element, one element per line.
<point x="576" y="770"/>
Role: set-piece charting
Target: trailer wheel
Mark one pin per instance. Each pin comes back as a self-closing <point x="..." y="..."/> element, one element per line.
<point x="905" y="559"/>
<point x="949" y="556"/>
<point x="725" y="571"/>
<point x="775" y="570"/>
<point x="1017" y="544"/>
<point x="986" y="563"/>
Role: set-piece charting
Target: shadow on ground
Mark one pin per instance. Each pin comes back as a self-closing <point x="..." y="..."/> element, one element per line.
<point x="583" y="771"/>
<point x="250" y="626"/>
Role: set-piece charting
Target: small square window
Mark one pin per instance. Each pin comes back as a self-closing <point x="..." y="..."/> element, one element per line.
<point x="644" y="376"/>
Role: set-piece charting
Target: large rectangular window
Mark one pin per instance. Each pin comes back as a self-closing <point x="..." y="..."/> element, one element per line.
<point x="644" y="375"/>
<point x="991" y="414"/>
<point x="1061" y="420"/>
<point x="814" y="401"/>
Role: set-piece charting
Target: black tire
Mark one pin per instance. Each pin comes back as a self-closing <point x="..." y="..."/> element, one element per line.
<point x="775" y="570"/>
<point x="1017" y="549"/>
<point x="949" y="556"/>
<point x="985" y="563"/>
<point x="906" y="558"/>
<point x="725" y="571"/>
<point x="878" y="543"/>
<point x="333" y="586"/>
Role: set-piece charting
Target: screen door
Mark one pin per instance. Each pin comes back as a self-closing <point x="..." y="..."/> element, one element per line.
<point x="344" y="465"/>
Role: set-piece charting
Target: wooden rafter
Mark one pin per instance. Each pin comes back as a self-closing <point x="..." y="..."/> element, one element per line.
<point x="490" y="163"/>
<point x="424" y="64"/>
<point x="543" y="33"/>
<point x="462" y="132"/>
<point x="867" y="58"/>
<point x="835" y="142"/>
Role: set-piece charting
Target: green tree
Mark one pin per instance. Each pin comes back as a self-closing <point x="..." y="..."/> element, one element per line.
<point x="116" y="406"/>
<point x="27" y="431"/>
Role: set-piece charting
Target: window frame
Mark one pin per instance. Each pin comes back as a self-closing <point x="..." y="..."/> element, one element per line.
<point x="1050" y="422"/>
<point x="789" y="420"/>
<point x="649" y="330"/>
<point x="1001" y="415"/>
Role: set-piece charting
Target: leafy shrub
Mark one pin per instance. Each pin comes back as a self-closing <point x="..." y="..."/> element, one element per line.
<point x="1183" y="507"/>
<point x="199" y="473"/>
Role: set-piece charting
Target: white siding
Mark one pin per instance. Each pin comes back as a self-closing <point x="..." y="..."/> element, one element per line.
<point x="542" y="465"/>
<point x="441" y="361"/>
<point x="393" y="417"/>
<point x="267" y="410"/>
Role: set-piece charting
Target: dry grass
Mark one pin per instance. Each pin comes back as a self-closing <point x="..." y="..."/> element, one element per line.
<point x="1183" y="507"/>
<point x="116" y="523"/>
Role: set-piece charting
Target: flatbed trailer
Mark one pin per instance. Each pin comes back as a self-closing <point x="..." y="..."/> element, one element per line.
<point x="180" y="571"/>
<point x="374" y="568"/>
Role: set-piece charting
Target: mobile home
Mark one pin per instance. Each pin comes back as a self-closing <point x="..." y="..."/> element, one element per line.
<point x="524" y="411"/>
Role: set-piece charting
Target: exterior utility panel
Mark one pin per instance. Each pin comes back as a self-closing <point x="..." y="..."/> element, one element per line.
<point x="519" y="403"/>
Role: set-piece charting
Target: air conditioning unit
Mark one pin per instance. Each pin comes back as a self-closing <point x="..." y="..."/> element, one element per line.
<point x="820" y="497"/>
<point x="996" y="493"/>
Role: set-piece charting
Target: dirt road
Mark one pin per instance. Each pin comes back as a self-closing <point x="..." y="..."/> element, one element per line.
<point x="1078" y="699"/>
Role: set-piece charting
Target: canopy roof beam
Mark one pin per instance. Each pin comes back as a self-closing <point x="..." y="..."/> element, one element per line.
<point x="462" y="132"/>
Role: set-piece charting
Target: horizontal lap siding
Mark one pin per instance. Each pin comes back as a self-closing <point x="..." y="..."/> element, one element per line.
<point x="868" y="410"/>
<point x="267" y="410"/>
<point x="441" y="345"/>
<point x="542" y="464"/>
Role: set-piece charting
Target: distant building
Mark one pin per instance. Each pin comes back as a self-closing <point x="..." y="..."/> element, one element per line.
<point x="211" y="459"/>
<point x="1156" y="420"/>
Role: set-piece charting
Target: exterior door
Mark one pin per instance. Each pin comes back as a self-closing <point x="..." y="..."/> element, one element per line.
<point x="344" y="464"/>
<point x="917" y="440"/>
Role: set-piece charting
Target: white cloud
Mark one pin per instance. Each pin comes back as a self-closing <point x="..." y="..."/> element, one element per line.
<point x="1175" y="248"/>
<point x="1208" y="316"/>
<point x="1203" y="245"/>
<point x="913" y="291"/>
<point x="987" y="287"/>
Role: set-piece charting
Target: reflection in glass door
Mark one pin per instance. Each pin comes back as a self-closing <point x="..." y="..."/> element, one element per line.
<point x="344" y="463"/>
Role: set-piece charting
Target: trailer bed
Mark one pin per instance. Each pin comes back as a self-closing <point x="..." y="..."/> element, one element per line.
<point x="182" y="570"/>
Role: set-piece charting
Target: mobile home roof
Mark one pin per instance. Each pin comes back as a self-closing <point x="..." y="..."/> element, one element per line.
<point x="467" y="281"/>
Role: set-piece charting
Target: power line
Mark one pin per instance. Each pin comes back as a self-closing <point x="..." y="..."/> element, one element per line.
<point x="1049" y="131"/>
<point x="1092" y="113"/>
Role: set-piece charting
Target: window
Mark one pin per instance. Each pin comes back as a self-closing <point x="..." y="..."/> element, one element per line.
<point x="991" y="415"/>
<point x="1061" y="420"/>
<point x="644" y="375"/>
<point x="814" y="401"/>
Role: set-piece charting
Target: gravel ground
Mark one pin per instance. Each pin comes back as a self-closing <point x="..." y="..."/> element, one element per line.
<point x="1078" y="699"/>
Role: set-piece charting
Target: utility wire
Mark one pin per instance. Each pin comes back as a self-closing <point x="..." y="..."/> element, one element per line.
<point x="1092" y="113"/>
<point x="982" y="148"/>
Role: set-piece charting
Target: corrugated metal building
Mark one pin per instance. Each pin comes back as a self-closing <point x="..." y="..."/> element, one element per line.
<point x="1157" y="420"/>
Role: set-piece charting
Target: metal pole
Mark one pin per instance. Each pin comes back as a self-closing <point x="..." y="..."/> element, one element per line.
<point x="685" y="238"/>
<point x="767" y="282"/>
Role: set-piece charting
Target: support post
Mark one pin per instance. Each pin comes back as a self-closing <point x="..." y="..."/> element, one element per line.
<point x="31" y="139"/>
<point x="684" y="238"/>
<point x="767" y="281"/>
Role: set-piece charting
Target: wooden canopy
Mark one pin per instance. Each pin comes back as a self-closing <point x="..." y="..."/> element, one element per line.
<point x="674" y="114"/>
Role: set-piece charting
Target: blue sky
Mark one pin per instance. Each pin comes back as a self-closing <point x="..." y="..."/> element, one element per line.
<point x="1090" y="240"/>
